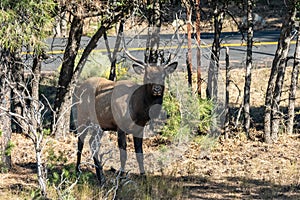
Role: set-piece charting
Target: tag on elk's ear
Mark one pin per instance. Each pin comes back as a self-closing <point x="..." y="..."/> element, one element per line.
<point x="139" y="69"/>
<point x="170" y="68"/>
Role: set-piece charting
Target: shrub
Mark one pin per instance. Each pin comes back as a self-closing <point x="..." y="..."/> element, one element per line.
<point x="187" y="114"/>
<point x="97" y="65"/>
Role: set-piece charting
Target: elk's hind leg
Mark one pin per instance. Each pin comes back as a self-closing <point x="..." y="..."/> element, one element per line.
<point x="81" y="134"/>
<point x="79" y="151"/>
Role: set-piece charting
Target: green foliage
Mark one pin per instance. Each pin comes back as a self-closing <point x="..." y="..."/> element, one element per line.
<point x="64" y="183"/>
<point x="60" y="178"/>
<point x="97" y="65"/>
<point x="47" y="131"/>
<point x="25" y="22"/>
<point x="121" y="71"/>
<point x="4" y="167"/>
<point x="172" y="107"/>
<point x="10" y="146"/>
<point x="87" y="177"/>
<point x="205" y="114"/>
<point x="65" y="174"/>
<point x="36" y="194"/>
<point x="55" y="158"/>
<point x="187" y="114"/>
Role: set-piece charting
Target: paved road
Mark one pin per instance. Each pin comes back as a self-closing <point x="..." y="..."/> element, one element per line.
<point x="263" y="50"/>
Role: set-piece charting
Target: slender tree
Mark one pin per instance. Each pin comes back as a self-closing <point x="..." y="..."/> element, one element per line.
<point x="5" y="104"/>
<point x="247" y="86"/>
<point x="198" y="38"/>
<point x="154" y="26"/>
<point x="189" y="10"/>
<point x="66" y="74"/>
<point x="276" y="115"/>
<point x="227" y="82"/>
<point x="113" y="58"/>
<point x="293" y="86"/>
<point x="273" y="93"/>
<point x="218" y="9"/>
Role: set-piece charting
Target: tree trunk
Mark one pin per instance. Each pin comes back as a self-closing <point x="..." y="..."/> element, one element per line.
<point x="67" y="102"/>
<point x="35" y="85"/>
<point x="5" y="102"/>
<point x="227" y="82"/>
<point x="154" y="25"/>
<point x="112" y="75"/>
<point x="198" y="32"/>
<point x="62" y="125"/>
<point x="247" y="86"/>
<point x="212" y="80"/>
<point x="42" y="179"/>
<point x="189" y="40"/>
<point x="276" y="116"/>
<point x="293" y="87"/>
<point x="276" y="77"/>
<point x="18" y="80"/>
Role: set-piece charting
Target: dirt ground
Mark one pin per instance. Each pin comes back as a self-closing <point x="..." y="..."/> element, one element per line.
<point x="236" y="168"/>
<point x="228" y="169"/>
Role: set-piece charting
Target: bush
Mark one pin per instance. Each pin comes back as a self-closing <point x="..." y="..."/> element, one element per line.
<point x="187" y="114"/>
<point x="97" y="65"/>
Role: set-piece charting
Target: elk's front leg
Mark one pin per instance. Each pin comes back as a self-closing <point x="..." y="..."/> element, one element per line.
<point x="138" y="147"/>
<point x="122" y="147"/>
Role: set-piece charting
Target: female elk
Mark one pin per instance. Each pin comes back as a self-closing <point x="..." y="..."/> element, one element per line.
<point x="122" y="106"/>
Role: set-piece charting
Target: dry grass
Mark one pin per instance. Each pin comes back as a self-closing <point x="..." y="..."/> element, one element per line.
<point x="206" y="169"/>
<point x="231" y="169"/>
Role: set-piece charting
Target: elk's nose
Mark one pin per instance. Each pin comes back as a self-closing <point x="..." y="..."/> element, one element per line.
<point x="157" y="90"/>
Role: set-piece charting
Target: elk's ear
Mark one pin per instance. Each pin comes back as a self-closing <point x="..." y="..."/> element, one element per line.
<point x="170" y="68"/>
<point x="139" y="69"/>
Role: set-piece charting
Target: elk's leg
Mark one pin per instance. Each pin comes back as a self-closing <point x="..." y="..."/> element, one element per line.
<point x="79" y="151"/>
<point x="81" y="134"/>
<point x="138" y="147"/>
<point x="122" y="147"/>
<point x="95" y="146"/>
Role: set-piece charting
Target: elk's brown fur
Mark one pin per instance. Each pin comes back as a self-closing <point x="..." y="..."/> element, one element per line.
<point x="122" y="106"/>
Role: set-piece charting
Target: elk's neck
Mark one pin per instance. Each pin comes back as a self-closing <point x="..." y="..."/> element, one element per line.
<point x="140" y="104"/>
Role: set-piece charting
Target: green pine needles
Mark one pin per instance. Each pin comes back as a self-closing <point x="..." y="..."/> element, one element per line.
<point x="188" y="115"/>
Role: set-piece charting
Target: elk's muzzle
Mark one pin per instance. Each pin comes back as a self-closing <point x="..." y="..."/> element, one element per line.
<point x="157" y="90"/>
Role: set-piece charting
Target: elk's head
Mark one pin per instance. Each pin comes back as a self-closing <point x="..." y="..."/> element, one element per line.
<point x="154" y="74"/>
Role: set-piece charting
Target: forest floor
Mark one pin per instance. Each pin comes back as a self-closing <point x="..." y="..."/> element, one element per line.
<point x="205" y="168"/>
<point x="227" y="169"/>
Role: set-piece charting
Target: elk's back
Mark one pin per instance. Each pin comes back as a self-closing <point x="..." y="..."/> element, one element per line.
<point x="107" y="103"/>
<point x="95" y="94"/>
